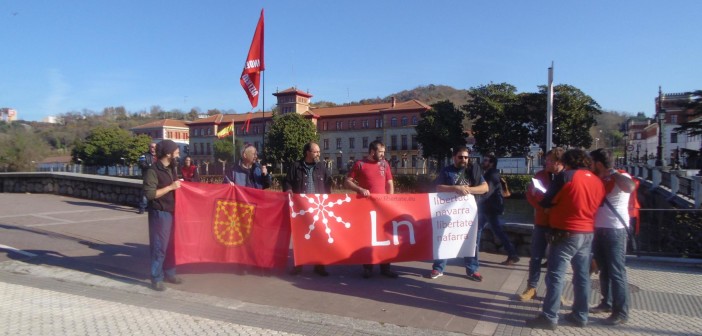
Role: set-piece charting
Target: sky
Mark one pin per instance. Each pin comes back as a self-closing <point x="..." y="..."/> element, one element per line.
<point x="71" y="55"/>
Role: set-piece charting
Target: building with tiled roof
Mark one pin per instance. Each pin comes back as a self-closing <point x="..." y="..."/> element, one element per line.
<point x="159" y="130"/>
<point x="344" y="131"/>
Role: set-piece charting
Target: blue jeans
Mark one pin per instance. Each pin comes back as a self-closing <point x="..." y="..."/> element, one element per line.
<point x="161" y="243"/>
<point x="471" y="263"/>
<point x="143" y="203"/>
<point x="573" y="249"/>
<point x="609" y="249"/>
<point x="493" y="219"/>
<point x="538" y="252"/>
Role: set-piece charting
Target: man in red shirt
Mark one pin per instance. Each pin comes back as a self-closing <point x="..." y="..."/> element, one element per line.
<point x="538" y="236"/>
<point x="572" y="201"/>
<point x="372" y="175"/>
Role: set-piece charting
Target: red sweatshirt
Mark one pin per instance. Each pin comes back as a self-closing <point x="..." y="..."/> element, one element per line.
<point x="575" y="205"/>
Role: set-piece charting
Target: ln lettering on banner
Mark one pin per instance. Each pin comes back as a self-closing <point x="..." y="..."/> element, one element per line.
<point x="349" y="229"/>
<point x="221" y="223"/>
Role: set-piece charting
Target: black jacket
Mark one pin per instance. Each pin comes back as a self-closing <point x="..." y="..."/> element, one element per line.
<point x="296" y="178"/>
<point x="492" y="201"/>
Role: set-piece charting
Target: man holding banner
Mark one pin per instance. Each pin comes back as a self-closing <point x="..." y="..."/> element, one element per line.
<point x="463" y="178"/>
<point x="374" y="177"/>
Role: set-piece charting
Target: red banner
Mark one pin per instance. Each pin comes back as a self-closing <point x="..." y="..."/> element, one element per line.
<point x="348" y="229"/>
<point x="251" y="75"/>
<point x="229" y="224"/>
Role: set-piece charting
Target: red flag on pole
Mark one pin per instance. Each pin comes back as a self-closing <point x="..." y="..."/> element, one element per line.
<point x="251" y="76"/>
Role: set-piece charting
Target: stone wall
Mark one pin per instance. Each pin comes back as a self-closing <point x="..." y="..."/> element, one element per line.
<point x="125" y="191"/>
<point x="109" y="189"/>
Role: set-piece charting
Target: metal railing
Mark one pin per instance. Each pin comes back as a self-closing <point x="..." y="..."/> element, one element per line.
<point x="670" y="233"/>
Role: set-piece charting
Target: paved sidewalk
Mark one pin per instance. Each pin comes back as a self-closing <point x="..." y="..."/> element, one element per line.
<point x="78" y="267"/>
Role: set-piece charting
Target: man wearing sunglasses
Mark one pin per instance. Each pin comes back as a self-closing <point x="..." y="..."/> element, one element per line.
<point x="463" y="178"/>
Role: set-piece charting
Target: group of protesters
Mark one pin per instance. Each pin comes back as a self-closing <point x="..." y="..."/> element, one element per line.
<point x="580" y="201"/>
<point x="582" y="209"/>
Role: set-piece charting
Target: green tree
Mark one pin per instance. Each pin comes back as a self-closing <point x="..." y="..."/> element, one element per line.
<point x="693" y="127"/>
<point x="225" y="150"/>
<point x="288" y="134"/>
<point x="440" y="129"/>
<point x="20" y="148"/>
<point x="106" y="146"/>
<point x="500" y="123"/>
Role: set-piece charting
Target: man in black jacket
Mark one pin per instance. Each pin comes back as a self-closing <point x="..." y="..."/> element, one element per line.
<point x="491" y="207"/>
<point x="308" y="176"/>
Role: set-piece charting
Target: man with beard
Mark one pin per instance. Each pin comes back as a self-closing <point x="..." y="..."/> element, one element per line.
<point x="160" y="183"/>
<point x="609" y="245"/>
<point x="539" y="243"/>
<point x="463" y="178"/>
<point x="308" y="176"/>
<point x="374" y="177"/>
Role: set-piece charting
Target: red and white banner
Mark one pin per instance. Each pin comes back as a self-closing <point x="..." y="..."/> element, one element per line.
<point x="221" y="223"/>
<point x="348" y="229"/>
<point x="251" y="75"/>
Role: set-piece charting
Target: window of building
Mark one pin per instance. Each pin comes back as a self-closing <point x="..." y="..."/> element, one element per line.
<point x="364" y="123"/>
<point x="638" y="136"/>
<point x="338" y="143"/>
<point x="393" y="122"/>
<point x="352" y="124"/>
<point x="414" y="141"/>
<point x="378" y="123"/>
<point x="393" y="142"/>
<point x="393" y="161"/>
<point x="404" y="121"/>
<point x="207" y="149"/>
<point x="339" y="124"/>
<point x="403" y="142"/>
<point x="414" y="161"/>
<point x="326" y="143"/>
<point x="352" y="142"/>
<point x="365" y="142"/>
<point x="415" y="120"/>
<point x="379" y="138"/>
<point x="674" y="119"/>
<point x="325" y="125"/>
<point x="673" y="137"/>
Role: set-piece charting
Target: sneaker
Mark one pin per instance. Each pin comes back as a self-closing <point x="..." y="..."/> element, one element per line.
<point x="575" y="321"/>
<point x="474" y="276"/>
<point x="435" y="274"/>
<point x="367" y="273"/>
<point x="321" y="271"/>
<point x="528" y="294"/>
<point x="510" y="261"/>
<point x="615" y="320"/>
<point x="296" y="270"/>
<point x="541" y="322"/>
<point x="388" y="273"/>
<point x="174" y="280"/>
<point x="158" y="286"/>
<point x="599" y="309"/>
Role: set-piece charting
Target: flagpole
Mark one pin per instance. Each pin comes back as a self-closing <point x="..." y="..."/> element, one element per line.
<point x="263" y="110"/>
<point x="549" y="110"/>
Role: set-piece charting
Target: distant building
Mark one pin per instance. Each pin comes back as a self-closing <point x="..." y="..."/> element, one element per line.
<point x="51" y="120"/>
<point x="344" y="131"/>
<point x="678" y="148"/>
<point x="167" y="129"/>
<point x="8" y="114"/>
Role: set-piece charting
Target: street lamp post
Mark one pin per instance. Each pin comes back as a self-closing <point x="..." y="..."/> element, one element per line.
<point x="597" y="140"/>
<point x="638" y="157"/>
<point x="661" y="119"/>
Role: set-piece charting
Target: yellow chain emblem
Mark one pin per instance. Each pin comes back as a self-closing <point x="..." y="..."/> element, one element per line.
<point x="233" y="222"/>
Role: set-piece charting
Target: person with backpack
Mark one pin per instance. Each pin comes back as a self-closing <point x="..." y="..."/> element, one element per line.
<point x="372" y="175"/>
<point x="491" y="207"/>
<point x="611" y="231"/>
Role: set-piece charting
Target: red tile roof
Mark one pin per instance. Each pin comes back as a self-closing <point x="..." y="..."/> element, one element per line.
<point x="163" y="123"/>
<point x="227" y="118"/>
<point x="293" y="90"/>
<point x="411" y="105"/>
